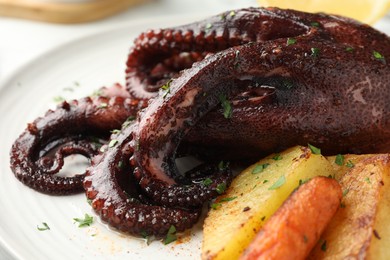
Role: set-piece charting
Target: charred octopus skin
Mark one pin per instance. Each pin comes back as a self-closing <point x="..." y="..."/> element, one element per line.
<point x="315" y="90"/>
<point x="268" y="115"/>
<point x="75" y="127"/>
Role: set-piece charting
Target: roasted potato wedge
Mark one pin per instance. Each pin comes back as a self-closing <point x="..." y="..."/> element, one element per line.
<point x="296" y="226"/>
<point x="360" y="229"/>
<point x="253" y="197"/>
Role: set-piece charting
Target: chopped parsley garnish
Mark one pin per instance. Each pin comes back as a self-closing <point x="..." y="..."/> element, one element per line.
<point x="279" y="183"/>
<point x="265" y="181"/>
<point x="120" y="164"/>
<point x="228" y="199"/>
<point x="350" y="164"/>
<point x="227" y="107"/>
<point x="44" y="227"/>
<point x="103" y="105"/>
<point x="112" y="143"/>
<point x="323" y="246"/>
<point x="259" y="168"/>
<point x="367" y="180"/>
<point x="115" y="131"/>
<point x="232" y="13"/>
<point x="345" y="192"/>
<point x="378" y="56"/>
<point x="86" y="221"/>
<point x="58" y="99"/>
<point x="171" y="235"/>
<point x="216" y="206"/>
<point x="221" y="188"/>
<point x="314" y="149"/>
<point x="222" y="165"/>
<point x="277" y="157"/>
<point x="349" y="49"/>
<point x="166" y="88"/>
<point x="291" y="41"/>
<point x="315" y="52"/>
<point x="207" y="182"/>
<point x="209" y="26"/>
<point x="315" y="24"/>
<point x="103" y="148"/>
<point x="339" y="160"/>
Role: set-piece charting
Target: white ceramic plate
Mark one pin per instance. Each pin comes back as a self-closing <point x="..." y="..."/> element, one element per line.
<point x="70" y="71"/>
<point x="73" y="70"/>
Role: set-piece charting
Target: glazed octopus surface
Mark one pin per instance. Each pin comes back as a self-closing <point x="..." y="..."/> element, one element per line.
<point x="75" y="127"/>
<point x="257" y="81"/>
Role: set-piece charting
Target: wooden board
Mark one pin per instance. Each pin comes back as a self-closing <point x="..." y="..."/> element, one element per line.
<point x="58" y="12"/>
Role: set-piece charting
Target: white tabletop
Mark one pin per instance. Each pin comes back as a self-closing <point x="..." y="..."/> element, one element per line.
<point x="23" y="40"/>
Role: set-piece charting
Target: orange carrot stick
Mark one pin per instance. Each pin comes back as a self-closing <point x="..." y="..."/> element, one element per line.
<point x="296" y="226"/>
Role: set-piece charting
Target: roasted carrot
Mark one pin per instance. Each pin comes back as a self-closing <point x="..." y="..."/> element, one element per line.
<point x="296" y="226"/>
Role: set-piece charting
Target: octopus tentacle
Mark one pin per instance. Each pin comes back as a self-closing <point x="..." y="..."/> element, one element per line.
<point x="158" y="55"/>
<point x="121" y="208"/>
<point x="197" y="92"/>
<point x="73" y="128"/>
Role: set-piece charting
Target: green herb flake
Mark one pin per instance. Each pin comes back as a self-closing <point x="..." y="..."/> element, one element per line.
<point x="303" y="181"/>
<point x="209" y="26"/>
<point x="221" y="188"/>
<point x="315" y="52"/>
<point x="222" y="165"/>
<point x="112" y="143"/>
<point x="86" y="221"/>
<point x="44" y="227"/>
<point x="279" y="183"/>
<point x="120" y="164"/>
<point x="315" y="24"/>
<point x="342" y="205"/>
<point x="291" y="41"/>
<point x="227" y="107"/>
<point x="259" y="168"/>
<point x="166" y="88"/>
<point x="263" y="218"/>
<point x="350" y="164"/>
<point x="349" y="49"/>
<point x="367" y="180"/>
<point x="323" y="246"/>
<point x="277" y="157"/>
<point x="207" y="182"/>
<point x="228" y="199"/>
<point x="103" y="105"/>
<point x="216" y="206"/>
<point x="171" y="235"/>
<point x="232" y="13"/>
<point x="89" y="201"/>
<point x="345" y="192"/>
<point x="265" y="181"/>
<point x="339" y="160"/>
<point x="378" y="56"/>
<point x="115" y="131"/>
<point x="314" y="149"/>
<point x="58" y="99"/>
<point x="103" y="148"/>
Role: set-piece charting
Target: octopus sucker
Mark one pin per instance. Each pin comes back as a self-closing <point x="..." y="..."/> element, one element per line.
<point x="126" y="208"/>
<point x="236" y="86"/>
<point x="75" y="127"/>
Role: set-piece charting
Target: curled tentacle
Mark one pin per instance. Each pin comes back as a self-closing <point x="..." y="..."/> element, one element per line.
<point x="158" y="55"/>
<point x="124" y="208"/>
<point x="76" y="127"/>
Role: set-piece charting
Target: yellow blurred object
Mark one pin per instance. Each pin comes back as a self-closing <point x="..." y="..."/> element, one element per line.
<point x="367" y="11"/>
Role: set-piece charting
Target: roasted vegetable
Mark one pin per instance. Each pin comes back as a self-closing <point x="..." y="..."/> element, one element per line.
<point x="296" y="226"/>
<point x="360" y="229"/>
<point x="255" y="194"/>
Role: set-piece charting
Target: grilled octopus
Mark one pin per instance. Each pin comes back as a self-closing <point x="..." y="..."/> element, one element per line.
<point x="249" y="82"/>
